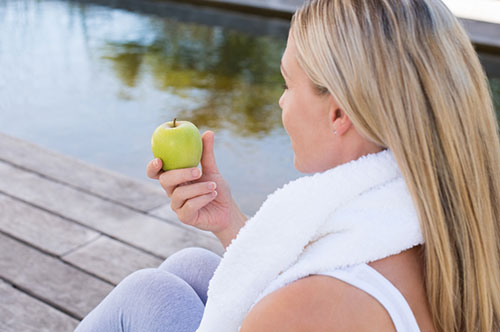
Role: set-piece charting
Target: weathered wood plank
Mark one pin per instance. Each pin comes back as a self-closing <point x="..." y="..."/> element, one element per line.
<point x="110" y="259"/>
<point x="483" y="32"/>
<point x="159" y="237"/>
<point x="50" y="279"/>
<point x="138" y="194"/>
<point x="165" y="212"/>
<point x="44" y="230"/>
<point x="138" y="229"/>
<point x="20" y="312"/>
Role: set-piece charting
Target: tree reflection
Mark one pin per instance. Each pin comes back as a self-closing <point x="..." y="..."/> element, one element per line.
<point x="127" y="64"/>
<point x="495" y="89"/>
<point x="237" y="73"/>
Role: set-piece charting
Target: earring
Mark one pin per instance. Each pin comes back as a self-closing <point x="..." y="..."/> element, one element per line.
<point x="335" y="131"/>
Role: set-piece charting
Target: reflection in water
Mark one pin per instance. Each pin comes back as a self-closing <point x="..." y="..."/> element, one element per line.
<point x="495" y="89"/>
<point x="94" y="82"/>
<point x="237" y="75"/>
<point x="127" y="63"/>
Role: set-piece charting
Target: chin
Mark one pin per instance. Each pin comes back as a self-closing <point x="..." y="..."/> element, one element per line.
<point x="297" y="166"/>
<point x="312" y="168"/>
<point x="301" y="168"/>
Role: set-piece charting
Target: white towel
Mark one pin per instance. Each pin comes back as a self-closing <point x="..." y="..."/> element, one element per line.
<point x="354" y="213"/>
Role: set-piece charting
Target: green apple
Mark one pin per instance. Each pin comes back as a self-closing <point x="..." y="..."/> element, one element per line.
<point x="178" y="144"/>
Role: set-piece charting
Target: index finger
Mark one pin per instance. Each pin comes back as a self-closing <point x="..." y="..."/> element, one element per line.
<point x="171" y="179"/>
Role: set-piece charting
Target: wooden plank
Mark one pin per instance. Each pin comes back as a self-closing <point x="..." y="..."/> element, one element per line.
<point x="20" y="312"/>
<point x="137" y="194"/>
<point x="44" y="230"/>
<point x="111" y="260"/>
<point x="483" y="33"/>
<point x="160" y="237"/>
<point x="50" y="279"/>
<point x="166" y="213"/>
<point x="135" y="228"/>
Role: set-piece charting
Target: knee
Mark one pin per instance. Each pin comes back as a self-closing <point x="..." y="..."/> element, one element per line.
<point x="125" y="300"/>
<point x="139" y="278"/>
<point x="156" y="291"/>
<point x="195" y="266"/>
<point x="194" y="252"/>
<point x="146" y="284"/>
<point x="153" y="291"/>
<point x="191" y="257"/>
<point x="146" y="300"/>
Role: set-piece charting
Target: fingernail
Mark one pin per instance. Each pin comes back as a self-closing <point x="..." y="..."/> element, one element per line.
<point x="211" y="185"/>
<point x="157" y="162"/>
<point x="196" y="172"/>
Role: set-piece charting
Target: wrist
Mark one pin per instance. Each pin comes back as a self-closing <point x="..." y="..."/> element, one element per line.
<point x="237" y="221"/>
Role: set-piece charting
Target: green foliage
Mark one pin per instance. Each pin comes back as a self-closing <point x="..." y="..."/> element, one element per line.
<point x="495" y="90"/>
<point x="239" y="74"/>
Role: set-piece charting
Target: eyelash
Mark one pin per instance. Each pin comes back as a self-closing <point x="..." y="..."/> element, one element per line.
<point x="285" y="86"/>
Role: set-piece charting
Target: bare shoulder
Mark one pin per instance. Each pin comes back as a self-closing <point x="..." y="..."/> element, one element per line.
<point x="317" y="303"/>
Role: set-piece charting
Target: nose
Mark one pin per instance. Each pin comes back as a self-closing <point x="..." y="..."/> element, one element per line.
<point x="281" y="100"/>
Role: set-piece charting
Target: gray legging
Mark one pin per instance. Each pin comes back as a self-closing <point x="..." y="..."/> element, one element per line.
<point x="169" y="298"/>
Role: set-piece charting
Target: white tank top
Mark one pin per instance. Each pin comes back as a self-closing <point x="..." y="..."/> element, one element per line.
<point x="368" y="279"/>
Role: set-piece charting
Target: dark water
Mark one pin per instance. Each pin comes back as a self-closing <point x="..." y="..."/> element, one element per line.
<point x="93" y="82"/>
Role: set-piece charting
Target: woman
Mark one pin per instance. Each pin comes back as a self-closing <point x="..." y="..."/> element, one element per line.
<point x="368" y="82"/>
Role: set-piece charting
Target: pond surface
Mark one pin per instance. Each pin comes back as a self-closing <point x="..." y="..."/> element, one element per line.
<point x="92" y="81"/>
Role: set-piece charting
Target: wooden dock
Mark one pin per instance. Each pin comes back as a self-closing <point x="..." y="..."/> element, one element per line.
<point x="70" y="231"/>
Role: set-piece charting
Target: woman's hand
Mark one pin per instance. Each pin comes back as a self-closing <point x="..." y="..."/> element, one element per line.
<point x="203" y="200"/>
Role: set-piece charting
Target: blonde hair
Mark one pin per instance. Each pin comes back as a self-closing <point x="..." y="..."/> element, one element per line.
<point x="407" y="75"/>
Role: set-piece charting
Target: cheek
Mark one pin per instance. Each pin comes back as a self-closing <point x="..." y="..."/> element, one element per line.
<point x="284" y="112"/>
<point x="283" y="119"/>
<point x="287" y="120"/>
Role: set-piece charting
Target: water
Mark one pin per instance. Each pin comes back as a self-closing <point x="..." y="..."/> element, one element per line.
<point x="94" y="82"/>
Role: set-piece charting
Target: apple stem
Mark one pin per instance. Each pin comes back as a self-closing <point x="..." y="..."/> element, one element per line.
<point x="174" y="122"/>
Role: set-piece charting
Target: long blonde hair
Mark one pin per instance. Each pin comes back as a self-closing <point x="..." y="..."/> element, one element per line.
<point x="407" y="75"/>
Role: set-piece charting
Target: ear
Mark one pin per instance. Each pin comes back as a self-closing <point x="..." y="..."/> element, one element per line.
<point x="339" y="120"/>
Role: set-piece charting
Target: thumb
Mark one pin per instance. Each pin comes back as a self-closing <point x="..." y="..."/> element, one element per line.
<point x="208" y="163"/>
